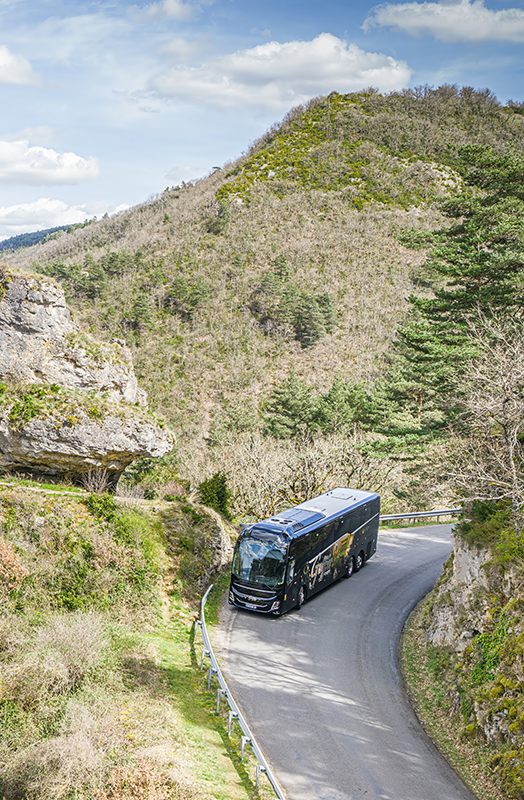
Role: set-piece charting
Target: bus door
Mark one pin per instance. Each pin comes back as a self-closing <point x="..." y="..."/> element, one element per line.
<point x="300" y="549"/>
<point x="290" y="584"/>
<point x="370" y="519"/>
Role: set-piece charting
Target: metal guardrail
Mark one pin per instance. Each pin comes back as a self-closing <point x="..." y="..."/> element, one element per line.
<point x="445" y="512"/>
<point x="234" y="711"/>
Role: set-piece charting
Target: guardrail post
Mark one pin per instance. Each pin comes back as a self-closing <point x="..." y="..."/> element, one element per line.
<point x="212" y="671"/>
<point x="245" y="740"/>
<point x="260" y="769"/>
<point x="232" y="715"/>
<point x="220" y="692"/>
<point x="204" y="654"/>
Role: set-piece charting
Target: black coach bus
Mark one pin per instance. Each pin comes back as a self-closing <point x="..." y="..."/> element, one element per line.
<point x="282" y="561"/>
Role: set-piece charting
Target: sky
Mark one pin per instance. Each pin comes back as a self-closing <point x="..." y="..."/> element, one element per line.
<point x="104" y="104"/>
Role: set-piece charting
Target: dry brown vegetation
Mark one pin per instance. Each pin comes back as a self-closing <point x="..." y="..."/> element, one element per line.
<point x="80" y="699"/>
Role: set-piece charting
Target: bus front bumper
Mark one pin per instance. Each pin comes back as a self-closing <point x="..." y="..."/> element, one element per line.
<point x="264" y="605"/>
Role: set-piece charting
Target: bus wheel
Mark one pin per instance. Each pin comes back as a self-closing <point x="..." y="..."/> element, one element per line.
<point x="359" y="560"/>
<point x="301" y="597"/>
<point x="350" y="568"/>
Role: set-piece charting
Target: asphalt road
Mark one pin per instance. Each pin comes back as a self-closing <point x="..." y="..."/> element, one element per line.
<point x="321" y="687"/>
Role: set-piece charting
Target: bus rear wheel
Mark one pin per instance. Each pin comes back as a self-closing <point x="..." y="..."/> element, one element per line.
<point x="359" y="561"/>
<point x="301" y="596"/>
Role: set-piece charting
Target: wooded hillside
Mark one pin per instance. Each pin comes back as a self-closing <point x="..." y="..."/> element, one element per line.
<point x="288" y="262"/>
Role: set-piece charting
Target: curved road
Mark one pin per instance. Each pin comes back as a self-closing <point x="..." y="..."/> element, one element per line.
<point x="321" y="687"/>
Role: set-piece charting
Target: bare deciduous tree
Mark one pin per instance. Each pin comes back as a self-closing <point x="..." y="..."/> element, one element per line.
<point x="266" y="475"/>
<point x="96" y="480"/>
<point x="489" y="462"/>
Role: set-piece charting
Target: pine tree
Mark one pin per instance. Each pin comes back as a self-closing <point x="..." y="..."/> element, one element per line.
<point x="214" y="493"/>
<point x="344" y="405"/>
<point x="290" y="409"/>
<point x="478" y="266"/>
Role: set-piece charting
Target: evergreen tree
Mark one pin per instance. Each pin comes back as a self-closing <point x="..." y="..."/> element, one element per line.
<point x="94" y="277"/>
<point x="478" y="268"/>
<point x="345" y="404"/>
<point x="280" y="303"/>
<point x="290" y="410"/>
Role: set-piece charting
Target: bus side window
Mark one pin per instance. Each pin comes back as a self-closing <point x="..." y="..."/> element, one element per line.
<point x="349" y="523"/>
<point x="329" y="533"/>
<point x="322" y="537"/>
<point x="300" y="547"/>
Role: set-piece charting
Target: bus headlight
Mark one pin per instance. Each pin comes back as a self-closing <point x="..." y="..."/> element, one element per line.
<point x="275" y="606"/>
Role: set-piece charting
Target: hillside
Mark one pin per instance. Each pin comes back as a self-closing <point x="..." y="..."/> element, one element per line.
<point x="100" y="696"/>
<point x="286" y="262"/>
<point x="263" y="307"/>
<point x="463" y="660"/>
<point x="35" y="237"/>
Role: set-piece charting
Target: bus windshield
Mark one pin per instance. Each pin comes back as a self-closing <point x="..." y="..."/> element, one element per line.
<point x="262" y="562"/>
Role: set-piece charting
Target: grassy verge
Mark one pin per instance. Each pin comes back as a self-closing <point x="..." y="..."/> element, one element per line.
<point x="430" y="696"/>
<point x="245" y="769"/>
<point x="34" y="484"/>
<point x="101" y="695"/>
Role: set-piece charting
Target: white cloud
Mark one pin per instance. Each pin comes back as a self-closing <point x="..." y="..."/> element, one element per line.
<point x="42" y="133"/>
<point x="276" y="76"/>
<point x="16" y="69"/>
<point x="182" y="50"/>
<point x="170" y="9"/>
<point x="47" y="212"/>
<point x="22" y="164"/>
<point x="464" y="21"/>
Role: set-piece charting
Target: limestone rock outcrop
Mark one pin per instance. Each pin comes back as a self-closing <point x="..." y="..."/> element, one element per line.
<point x="457" y="614"/>
<point x="67" y="404"/>
<point x="110" y="444"/>
<point x="460" y="609"/>
<point x="39" y="342"/>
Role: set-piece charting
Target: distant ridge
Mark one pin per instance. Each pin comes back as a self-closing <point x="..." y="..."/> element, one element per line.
<point x="30" y="239"/>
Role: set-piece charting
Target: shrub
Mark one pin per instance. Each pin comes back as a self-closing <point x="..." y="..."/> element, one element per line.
<point x="57" y="658"/>
<point x="12" y="571"/>
<point x="96" y="480"/>
<point x="52" y="768"/>
<point x="144" y="782"/>
<point x="215" y="494"/>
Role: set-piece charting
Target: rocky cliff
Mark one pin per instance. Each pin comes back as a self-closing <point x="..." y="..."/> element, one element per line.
<point x="461" y="606"/>
<point x="39" y="342"/>
<point x="475" y="635"/>
<point x="67" y="403"/>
